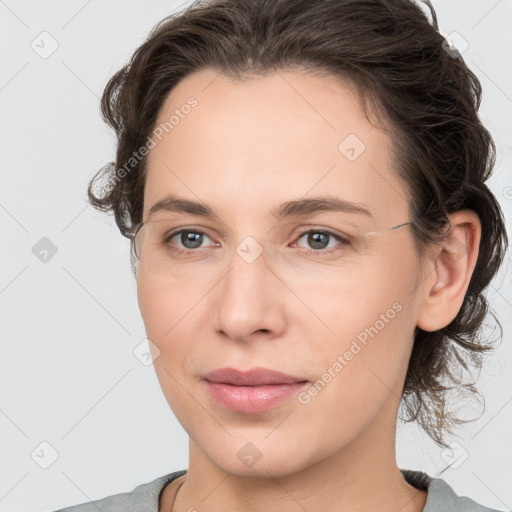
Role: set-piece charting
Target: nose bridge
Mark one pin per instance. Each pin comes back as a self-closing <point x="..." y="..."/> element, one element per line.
<point x="248" y="301"/>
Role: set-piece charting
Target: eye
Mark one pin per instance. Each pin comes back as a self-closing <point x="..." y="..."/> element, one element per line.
<point x="189" y="238"/>
<point x="319" y="239"/>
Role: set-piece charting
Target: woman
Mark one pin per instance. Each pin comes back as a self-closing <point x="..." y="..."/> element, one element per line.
<point x="304" y="187"/>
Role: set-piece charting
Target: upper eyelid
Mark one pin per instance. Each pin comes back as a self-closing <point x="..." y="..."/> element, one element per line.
<point x="345" y="226"/>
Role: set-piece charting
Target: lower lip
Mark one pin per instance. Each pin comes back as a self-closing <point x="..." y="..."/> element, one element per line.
<point x="252" y="398"/>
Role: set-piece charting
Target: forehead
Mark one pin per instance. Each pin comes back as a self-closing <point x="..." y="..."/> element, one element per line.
<point x="248" y="146"/>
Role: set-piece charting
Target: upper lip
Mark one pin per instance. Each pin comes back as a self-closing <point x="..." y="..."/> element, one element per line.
<point x="254" y="377"/>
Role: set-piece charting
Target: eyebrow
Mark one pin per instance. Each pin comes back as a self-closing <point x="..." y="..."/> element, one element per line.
<point x="301" y="207"/>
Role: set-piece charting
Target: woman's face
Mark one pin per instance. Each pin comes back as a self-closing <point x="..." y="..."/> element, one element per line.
<point x="252" y="290"/>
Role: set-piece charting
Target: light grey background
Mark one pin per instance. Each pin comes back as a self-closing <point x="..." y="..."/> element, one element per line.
<point x="69" y="326"/>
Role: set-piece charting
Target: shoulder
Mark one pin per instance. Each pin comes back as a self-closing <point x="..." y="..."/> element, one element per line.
<point x="443" y="497"/>
<point x="143" y="498"/>
<point x="440" y="495"/>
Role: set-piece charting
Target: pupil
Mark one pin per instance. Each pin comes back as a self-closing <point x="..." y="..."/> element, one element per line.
<point x="316" y="242"/>
<point x="190" y="236"/>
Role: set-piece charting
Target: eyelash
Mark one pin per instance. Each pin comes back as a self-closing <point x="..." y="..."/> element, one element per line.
<point x="343" y="241"/>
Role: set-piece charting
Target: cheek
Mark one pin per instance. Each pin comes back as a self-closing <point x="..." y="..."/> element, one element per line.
<point x="163" y="305"/>
<point x="371" y="326"/>
<point x="359" y="370"/>
<point x="166" y="311"/>
<point x="369" y="337"/>
<point x="373" y="296"/>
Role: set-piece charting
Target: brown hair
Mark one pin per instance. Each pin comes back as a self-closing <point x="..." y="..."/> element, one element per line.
<point x="396" y="58"/>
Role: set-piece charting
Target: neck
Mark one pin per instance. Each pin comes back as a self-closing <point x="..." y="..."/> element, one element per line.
<point x="362" y="475"/>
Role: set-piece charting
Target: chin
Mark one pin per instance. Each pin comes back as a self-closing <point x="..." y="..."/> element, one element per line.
<point x="259" y="457"/>
<point x="261" y="469"/>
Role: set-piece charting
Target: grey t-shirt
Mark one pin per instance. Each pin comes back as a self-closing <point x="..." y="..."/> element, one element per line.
<point x="145" y="497"/>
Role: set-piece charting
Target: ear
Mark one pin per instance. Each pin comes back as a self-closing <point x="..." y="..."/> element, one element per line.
<point x="454" y="260"/>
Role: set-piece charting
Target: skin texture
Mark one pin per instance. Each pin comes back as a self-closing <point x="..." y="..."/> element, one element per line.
<point x="245" y="149"/>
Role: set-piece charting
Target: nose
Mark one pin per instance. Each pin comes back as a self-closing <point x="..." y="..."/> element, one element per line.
<point x="250" y="299"/>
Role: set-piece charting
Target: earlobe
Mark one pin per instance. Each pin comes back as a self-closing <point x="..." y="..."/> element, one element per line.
<point x="448" y="279"/>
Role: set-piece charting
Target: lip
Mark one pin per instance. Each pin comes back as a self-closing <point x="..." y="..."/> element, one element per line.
<point x="252" y="391"/>
<point x="257" y="376"/>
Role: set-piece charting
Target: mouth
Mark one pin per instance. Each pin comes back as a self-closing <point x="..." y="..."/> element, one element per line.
<point x="255" y="377"/>
<point x="256" y="390"/>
